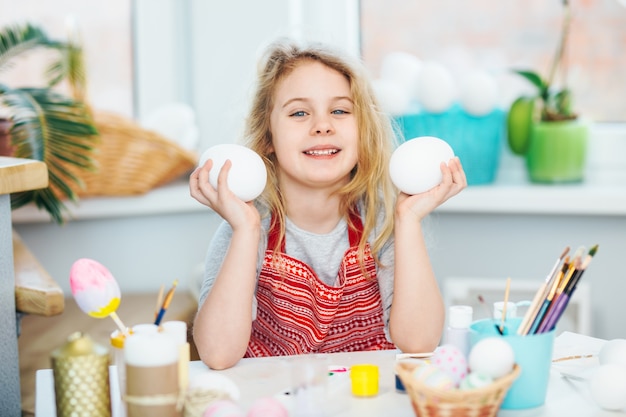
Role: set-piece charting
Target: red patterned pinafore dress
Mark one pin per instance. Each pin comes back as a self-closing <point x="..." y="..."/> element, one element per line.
<point x="298" y="313"/>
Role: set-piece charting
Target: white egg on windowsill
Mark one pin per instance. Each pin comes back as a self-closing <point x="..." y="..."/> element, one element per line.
<point x="478" y="93"/>
<point x="414" y="166"/>
<point x="436" y="88"/>
<point x="392" y="97"/>
<point x="403" y="68"/>
<point x="247" y="176"/>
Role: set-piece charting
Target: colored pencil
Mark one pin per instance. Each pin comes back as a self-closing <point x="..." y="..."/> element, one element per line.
<point x="539" y="296"/>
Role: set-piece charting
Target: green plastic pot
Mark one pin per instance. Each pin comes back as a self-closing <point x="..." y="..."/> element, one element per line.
<point x="557" y="151"/>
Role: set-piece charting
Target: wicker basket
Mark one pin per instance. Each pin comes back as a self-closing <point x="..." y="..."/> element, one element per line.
<point x="433" y="402"/>
<point x="132" y="160"/>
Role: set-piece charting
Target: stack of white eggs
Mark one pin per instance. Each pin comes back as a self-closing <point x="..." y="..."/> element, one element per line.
<point x="405" y="80"/>
<point x="490" y="358"/>
<point x="608" y="381"/>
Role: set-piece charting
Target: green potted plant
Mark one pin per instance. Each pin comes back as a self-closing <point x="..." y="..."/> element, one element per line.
<point x="44" y="124"/>
<point x="544" y="127"/>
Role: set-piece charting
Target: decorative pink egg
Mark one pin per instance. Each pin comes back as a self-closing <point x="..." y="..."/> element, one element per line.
<point x="94" y="288"/>
<point x="267" y="407"/>
<point x="451" y="360"/>
<point x="223" y="408"/>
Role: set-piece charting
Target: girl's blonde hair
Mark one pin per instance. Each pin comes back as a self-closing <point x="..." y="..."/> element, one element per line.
<point x="369" y="183"/>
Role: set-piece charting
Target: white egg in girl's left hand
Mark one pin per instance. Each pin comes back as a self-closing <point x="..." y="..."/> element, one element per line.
<point x="414" y="166"/>
<point x="247" y="176"/>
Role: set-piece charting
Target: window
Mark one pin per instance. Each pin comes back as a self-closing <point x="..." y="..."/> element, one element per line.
<point x="497" y="36"/>
<point x="105" y="28"/>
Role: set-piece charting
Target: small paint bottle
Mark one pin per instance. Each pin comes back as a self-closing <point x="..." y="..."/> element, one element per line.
<point x="457" y="333"/>
<point x="364" y="379"/>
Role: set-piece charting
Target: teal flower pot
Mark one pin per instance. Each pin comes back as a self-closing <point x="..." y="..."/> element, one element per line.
<point x="557" y="152"/>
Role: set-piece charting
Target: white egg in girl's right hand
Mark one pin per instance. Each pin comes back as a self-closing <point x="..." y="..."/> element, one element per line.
<point x="247" y="176"/>
<point x="414" y="166"/>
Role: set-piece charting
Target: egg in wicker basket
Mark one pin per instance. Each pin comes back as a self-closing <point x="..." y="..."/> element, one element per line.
<point x="436" y="402"/>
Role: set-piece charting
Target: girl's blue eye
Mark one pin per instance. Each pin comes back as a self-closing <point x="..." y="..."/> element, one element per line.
<point x="339" y="112"/>
<point x="299" y="113"/>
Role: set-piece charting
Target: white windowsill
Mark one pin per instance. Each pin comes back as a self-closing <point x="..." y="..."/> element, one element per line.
<point x="602" y="194"/>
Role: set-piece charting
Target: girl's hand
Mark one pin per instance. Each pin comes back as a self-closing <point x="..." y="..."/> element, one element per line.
<point x="222" y="200"/>
<point x="420" y="205"/>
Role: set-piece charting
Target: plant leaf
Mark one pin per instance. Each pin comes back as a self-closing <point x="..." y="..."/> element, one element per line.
<point x="534" y="78"/>
<point x="57" y="130"/>
<point x="18" y="39"/>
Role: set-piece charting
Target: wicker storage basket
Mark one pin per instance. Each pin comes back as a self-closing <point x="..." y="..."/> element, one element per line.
<point x="132" y="160"/>
<point x="433" y="402"/>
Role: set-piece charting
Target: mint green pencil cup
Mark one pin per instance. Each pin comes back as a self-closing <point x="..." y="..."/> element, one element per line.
<point x="533" y="353"/>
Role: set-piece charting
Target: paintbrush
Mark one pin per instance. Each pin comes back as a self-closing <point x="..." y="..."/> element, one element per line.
<point x="506" y="300"/>
<point x="545" y="302"/>
<point x="166" y="303"/>
<point x="159" y="301"/>
<point x="558" y="291"/>
<point x="539" y="296"/>
<point x="489" y="315"/>
<point x="563" y="300"/>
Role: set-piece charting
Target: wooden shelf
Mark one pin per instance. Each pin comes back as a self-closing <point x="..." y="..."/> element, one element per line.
<point x="22" y="175"/>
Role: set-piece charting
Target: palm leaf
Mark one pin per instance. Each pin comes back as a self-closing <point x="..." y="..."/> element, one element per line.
<point x="16" y="40"/>
<point x="70" y="67"/>
<point x="57" y="130"/>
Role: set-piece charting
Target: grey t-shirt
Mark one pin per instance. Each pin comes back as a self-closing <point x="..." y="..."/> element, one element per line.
<point x="322" y="252"/>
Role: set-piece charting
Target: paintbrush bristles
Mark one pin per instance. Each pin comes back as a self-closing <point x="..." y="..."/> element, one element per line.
<point x="565" y="252"/>
<point x="484" y="304"/>
<point x="590" y="255"/>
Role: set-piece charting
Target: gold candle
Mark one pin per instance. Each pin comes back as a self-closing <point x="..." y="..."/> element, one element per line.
<point x="81" y="378"/>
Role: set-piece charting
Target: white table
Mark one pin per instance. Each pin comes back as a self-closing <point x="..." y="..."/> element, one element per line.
<point x="264" y="377"/>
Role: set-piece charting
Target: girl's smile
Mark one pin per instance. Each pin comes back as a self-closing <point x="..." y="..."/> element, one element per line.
<point x="322" y="151"/>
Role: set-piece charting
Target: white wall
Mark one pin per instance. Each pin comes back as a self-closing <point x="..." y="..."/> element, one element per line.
<point x="144" y="252"/>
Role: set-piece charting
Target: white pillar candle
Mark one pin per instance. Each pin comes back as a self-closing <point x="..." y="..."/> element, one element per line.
<point x="152" y="375"/>
<point x="177" y="330"/>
